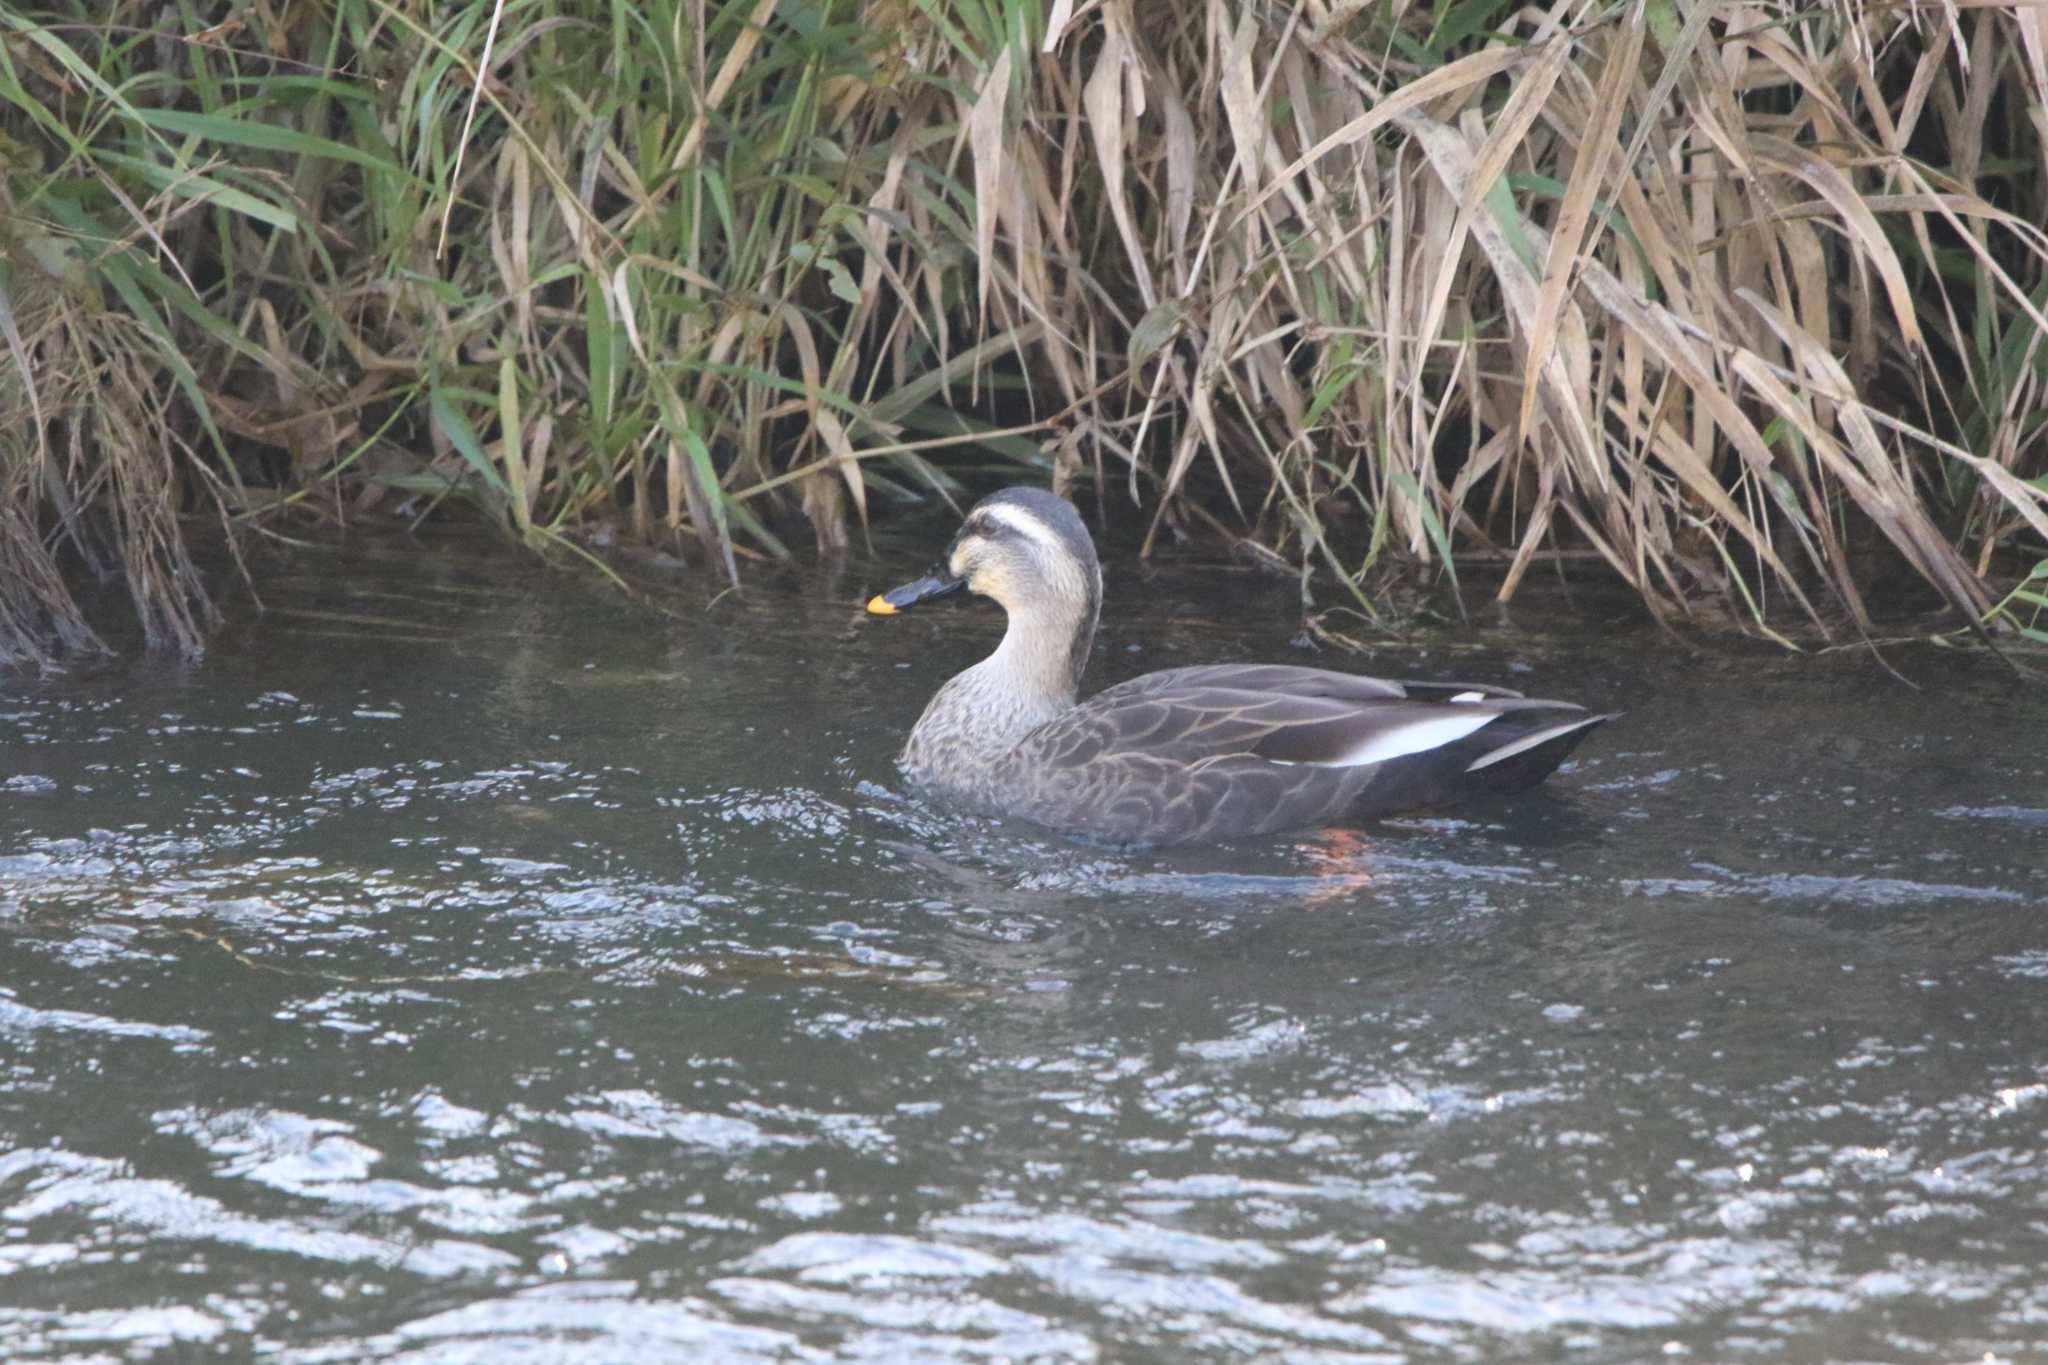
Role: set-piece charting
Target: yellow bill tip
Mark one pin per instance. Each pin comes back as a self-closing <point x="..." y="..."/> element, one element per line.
<point x="878" y="605"/>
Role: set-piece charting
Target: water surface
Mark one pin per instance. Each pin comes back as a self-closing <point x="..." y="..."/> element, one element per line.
<point x="465" y="964"/>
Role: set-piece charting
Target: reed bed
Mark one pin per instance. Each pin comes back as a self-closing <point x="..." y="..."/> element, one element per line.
<point x="1743" y="302"/>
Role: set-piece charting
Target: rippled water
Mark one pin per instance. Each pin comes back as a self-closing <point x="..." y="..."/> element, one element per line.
<point x="463" y="964"/>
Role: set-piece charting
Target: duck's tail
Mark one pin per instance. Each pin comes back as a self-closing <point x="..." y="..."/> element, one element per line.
<point x="1525" y="745"/>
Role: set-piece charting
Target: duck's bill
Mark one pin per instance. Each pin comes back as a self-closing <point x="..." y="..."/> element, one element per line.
<point x="935" y="584"/>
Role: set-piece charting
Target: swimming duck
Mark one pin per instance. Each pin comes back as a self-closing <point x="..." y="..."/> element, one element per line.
<point x="1215" y="751"/>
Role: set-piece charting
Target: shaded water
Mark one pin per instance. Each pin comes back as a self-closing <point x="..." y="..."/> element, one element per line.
<point x="469" y="966"/>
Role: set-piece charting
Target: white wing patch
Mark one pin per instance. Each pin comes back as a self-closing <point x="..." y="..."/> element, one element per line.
<point x="1528" y="742"/>
<point x="1410" y="737"/>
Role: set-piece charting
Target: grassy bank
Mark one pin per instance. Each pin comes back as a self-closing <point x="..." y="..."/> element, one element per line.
<point x="1745" y="303"/>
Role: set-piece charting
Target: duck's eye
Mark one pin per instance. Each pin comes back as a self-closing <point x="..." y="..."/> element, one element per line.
<point x="985" y="526"/>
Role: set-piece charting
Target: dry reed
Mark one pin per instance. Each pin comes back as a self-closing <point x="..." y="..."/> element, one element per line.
<point x="1744" y="300"/>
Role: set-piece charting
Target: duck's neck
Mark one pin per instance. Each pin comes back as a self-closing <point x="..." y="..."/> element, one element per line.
<point x="977" y="719"/>
<point x="1042" y="655"/>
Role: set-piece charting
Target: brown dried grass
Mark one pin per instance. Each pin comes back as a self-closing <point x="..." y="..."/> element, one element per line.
<point x="1744" y="301"/>
<point x="1666" y="267"/>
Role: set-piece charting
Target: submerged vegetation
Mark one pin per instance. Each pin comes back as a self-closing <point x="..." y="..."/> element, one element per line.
<point x="1746" y="302"/>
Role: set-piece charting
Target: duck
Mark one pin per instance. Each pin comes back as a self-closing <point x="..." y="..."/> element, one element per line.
<point x="1199" y="754"/>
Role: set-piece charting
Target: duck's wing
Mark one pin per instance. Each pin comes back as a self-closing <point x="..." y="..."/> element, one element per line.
<point x="1294" y="681"/>
<point x="1194" y="723"/>
<point x="1170" y="762"/>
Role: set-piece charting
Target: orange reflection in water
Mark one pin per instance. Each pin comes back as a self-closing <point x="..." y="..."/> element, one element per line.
<point x="1342" y="856"/>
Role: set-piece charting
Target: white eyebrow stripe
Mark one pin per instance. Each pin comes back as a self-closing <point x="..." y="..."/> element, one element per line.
<point x="1022" y="522"/>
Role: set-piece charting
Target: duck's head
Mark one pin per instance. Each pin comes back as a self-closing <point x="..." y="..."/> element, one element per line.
<point x="1027" y="549"/>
